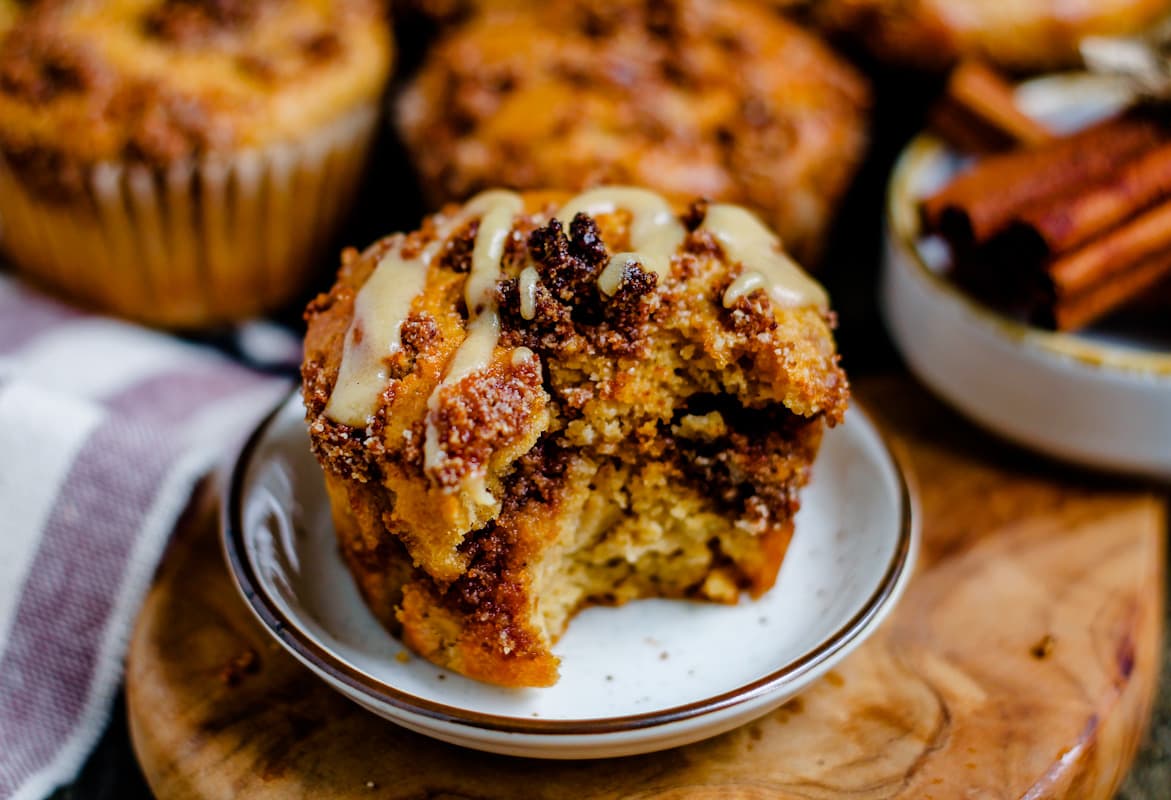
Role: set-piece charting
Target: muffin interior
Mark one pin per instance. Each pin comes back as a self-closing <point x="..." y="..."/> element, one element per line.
<point x="628" y="531"/>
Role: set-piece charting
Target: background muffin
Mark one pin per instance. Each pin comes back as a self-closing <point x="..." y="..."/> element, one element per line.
<point x="693" y="98"/>
<point x="537" y="403"/>
<point x="182" y="162"/>
<point x="1023" y="35"/>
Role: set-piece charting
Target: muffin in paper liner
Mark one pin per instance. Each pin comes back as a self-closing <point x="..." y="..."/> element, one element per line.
<point x="183" y="162"/>
<point x="201" y="241"/>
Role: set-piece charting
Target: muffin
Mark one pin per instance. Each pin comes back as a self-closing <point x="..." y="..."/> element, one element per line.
<point x="183" y="162"/>
<point x="693" y="98"/>
<point x="537" y="402"/>
<point x="1024" y="35"/>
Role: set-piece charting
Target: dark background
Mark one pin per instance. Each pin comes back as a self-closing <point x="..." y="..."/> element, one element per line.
<point x="390" y="201"/>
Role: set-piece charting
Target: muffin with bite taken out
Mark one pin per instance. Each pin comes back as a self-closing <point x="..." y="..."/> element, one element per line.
<point x="539" y="402"/>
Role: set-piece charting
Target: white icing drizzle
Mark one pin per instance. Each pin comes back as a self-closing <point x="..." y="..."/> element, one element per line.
<point x="655" y="231"/>
<point x="746" y="283"/>
<point x="611" y="278"/>
<point x="522" y="355"/>
<point x="476" y="489"/>
<point x="384" y="302"/>
<point x="380" y="309"/>
<point x="744" y="238"/>
<point x="527" y="284"/>
<point x="473" y="354"/>
<point x="475" y="351"/>
<point x="497" y="210"/>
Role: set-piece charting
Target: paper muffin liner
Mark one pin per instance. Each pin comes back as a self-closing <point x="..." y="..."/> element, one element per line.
<point x="200" y="242"/>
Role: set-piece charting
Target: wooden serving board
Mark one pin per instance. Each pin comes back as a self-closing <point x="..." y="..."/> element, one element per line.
<point x="1021" y="663"/>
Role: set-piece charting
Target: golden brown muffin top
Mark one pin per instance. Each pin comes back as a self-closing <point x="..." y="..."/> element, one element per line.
<point x="83" y="81"/>
<point x="692" y="97"/>
<point x="1026" y="35"/>
<point x="442" y="357"/>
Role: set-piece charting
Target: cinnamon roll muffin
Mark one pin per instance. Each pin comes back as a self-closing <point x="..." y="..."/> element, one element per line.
<point x="182" y="162"/>
<point x="723" y="100"/>
<point x="539" y="402"/>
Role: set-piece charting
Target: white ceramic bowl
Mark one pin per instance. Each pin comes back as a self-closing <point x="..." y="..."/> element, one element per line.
<point x="646" y="676"/>
<point x="1101" y="398"/>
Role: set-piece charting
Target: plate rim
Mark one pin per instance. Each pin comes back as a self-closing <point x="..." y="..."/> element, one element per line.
<point x="335" y="668"/>
<point x="902" y="222"/>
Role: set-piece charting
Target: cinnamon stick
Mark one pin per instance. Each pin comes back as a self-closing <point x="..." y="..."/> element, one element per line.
<point x="1063" y="223"/>
<point x="1077" y="311"/>
<point x="978" y="113"/>
<point x="983" y="201"/>
<point x="1114" y="254"/>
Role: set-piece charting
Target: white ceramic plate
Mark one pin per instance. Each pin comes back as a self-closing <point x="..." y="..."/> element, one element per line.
<point x="1101" y="398"/>
<point x="645" y="676"/>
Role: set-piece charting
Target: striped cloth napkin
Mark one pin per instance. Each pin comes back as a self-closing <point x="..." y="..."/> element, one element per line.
<point x="105" y="428"/>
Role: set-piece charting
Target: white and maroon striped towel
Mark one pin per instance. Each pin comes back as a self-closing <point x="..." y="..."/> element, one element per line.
<point x="105" y="428"/>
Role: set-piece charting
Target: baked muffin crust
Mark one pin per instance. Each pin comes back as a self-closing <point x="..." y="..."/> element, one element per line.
<point x="692" y="98"/>
<point x="588" y="400"/>
<point x="155" y="81"/>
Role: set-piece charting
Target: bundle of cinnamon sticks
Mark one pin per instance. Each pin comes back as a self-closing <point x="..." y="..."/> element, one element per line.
<point x="1069" y="229"/>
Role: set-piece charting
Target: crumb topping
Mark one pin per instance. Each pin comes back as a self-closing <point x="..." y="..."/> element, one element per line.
<point x="39" y="65"/>
<point x="158" y="81"/>
<point x="723" y="100"/>
<point x="589" y="353"/>
<point x="189" y="22"/>
<point x="483" y="415"/>
<point x="570" y="311"/>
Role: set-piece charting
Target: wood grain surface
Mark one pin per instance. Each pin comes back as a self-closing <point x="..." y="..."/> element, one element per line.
<point x="1021" y="663"/>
